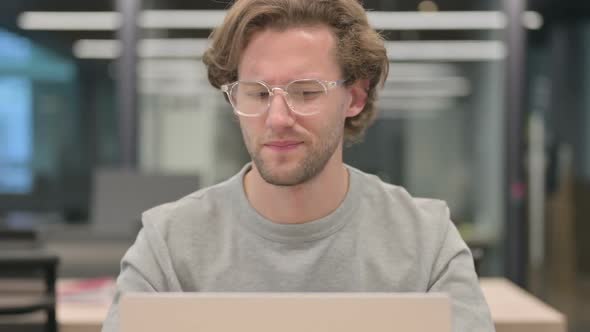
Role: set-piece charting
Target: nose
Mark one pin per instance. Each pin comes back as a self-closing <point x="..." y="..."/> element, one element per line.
<point x="279" y="115"/>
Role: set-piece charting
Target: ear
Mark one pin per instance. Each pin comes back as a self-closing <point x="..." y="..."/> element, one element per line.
<point x="358" y="92"/>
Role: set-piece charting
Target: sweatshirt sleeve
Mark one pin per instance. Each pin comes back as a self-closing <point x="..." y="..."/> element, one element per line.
<point x="454" y="274"/>
<point x="145" y="267"/>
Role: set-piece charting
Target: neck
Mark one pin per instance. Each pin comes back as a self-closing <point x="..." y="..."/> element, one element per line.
<point x="301" y="203"/>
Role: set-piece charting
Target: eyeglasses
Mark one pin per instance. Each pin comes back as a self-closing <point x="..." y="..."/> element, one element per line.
<point x="304" y="97"/>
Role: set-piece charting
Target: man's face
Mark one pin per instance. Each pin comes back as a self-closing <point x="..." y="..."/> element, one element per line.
<point x="289" y="149"/>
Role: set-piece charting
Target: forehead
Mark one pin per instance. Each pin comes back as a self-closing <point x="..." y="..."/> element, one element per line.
<point x="278" y="56"/>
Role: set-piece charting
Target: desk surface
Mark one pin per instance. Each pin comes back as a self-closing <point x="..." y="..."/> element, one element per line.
<point x="512" y="309"/>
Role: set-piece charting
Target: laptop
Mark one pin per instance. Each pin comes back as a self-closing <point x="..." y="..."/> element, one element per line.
<point x="285" y="312"/>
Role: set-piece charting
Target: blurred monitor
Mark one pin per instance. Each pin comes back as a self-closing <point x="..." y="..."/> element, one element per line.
<point x="120" y="196"/>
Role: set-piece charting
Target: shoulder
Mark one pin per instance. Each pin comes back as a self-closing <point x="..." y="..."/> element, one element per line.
<point x="411" y="231"/>
<point x="199" y="210"/>
<point x="400" y="212"/>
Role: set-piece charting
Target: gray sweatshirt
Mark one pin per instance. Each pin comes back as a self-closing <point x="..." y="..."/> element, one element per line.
<point x="380" y="239"/>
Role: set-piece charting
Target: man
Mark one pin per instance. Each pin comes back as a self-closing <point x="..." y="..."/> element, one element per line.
<point x="302" y="77"/>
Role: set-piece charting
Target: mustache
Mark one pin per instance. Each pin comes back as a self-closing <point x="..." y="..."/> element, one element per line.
<point x="290" y="136"/>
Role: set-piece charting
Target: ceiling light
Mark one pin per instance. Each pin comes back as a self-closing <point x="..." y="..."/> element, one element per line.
<point x="427" y="6"/>
<point x="69" y="20"/>
<point x="181" y="19"/>
<point x="146" y="48"/>
<point x="449" y="50"/>
<point x="451" y="20"/>
<point x="174" y="48"/>
<point x="96" y="48"/>
<point x="532" y="20"/>
<point x="207" y="19"/>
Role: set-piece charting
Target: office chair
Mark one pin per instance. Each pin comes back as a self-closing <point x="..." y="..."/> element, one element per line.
<point x="22" y="258"/>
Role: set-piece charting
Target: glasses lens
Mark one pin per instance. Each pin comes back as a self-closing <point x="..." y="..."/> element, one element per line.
<point x="250" y="97"/>
<point x="306" y="96"/>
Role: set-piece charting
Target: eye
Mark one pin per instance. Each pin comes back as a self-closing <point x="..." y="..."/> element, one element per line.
<point x="263" y="93"/>
<point x="311" y="93"/>
<point x="258" y="94"/>
<point x="253" y="90"/>
<point x="306" y="90"/>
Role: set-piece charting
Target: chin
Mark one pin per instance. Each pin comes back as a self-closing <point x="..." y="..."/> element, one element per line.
<point x="287" y="175"/>
<point x="281" y="176"/>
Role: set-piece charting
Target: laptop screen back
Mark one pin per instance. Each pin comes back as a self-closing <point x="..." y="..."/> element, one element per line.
<point x="285" y="312"/>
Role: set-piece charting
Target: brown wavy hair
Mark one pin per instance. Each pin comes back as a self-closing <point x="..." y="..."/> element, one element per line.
<point x="360" y="49"/>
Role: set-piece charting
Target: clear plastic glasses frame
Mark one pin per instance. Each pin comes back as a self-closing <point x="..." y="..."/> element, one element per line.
<point x="300" y="95"/>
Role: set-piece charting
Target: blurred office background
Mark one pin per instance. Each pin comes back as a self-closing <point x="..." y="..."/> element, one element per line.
<point x="487" y="106"/>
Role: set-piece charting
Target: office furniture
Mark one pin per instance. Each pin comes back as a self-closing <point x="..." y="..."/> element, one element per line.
<point x="33" y="264"/>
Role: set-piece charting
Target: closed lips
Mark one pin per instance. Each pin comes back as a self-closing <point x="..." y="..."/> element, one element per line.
<point x="282" y="144"/>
